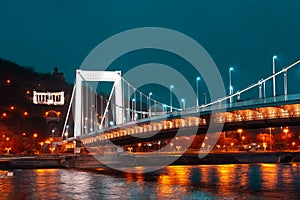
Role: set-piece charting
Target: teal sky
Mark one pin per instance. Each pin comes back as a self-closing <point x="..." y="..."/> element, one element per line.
<point x="245" y="34"/>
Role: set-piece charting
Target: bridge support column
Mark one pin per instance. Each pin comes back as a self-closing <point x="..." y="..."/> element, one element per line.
<point x="97" y="76"/>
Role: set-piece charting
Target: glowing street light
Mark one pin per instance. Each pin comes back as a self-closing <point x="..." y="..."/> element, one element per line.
<point x="240" y="132"/>
<point x="133" y="110"/>
<point x="183" y="104"/>
<point x="293" y="144"/>
<point x="274" y="81"/>
<point x="149" y="104"/>
<point x="285" y="82"/>
<point x="41" y="143"/>
<point x="171" y="99"/>
<point x="47" y="142"/>
<point x="286" y="130"/>
<point x="67" y="131"/>
<point x="197" y="90"/>
<point x="243" y="138"/>
<point x="230" y="84"/>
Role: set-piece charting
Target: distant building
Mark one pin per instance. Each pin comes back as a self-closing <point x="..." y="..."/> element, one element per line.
<point x="59" y="75"/>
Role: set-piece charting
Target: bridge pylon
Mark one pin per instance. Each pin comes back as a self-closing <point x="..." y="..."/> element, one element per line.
<point x="97" y="76"/>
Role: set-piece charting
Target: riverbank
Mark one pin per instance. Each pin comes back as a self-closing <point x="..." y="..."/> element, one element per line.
<point x="86" y="161"/>
<point x="31" y="162"/>
<point x="154" y="159"/>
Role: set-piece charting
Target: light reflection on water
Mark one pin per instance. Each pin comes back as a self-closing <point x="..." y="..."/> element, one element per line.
<point x="174" y="182"/>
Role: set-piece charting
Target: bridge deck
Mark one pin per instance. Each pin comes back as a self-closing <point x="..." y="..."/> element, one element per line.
<point x="260" y="113"/>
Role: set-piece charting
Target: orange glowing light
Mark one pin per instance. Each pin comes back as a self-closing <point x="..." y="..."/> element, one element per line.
<point x="46" y="113"/>
<point x="243" y="137"/>
<point x="7" y="138"/>
<point x="293" y="143"/>
<point x="25" y="113"/>
<point x="4" y="114"/>
<point x="240" y="130"/>
<point x="8" y="81"/>
<point x="58" y="113"/>
<point x="286" y="130"/>
<point x="139" y="144"/>
<point x="27" y="92"/>
<point x="231" y="143"/>
<point x="12" y="107"/>
<point x="23" y="134"/>
<point x="35" y="135"/>
<point x="47" y="142"/>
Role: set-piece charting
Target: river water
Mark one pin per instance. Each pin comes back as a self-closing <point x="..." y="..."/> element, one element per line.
<point x="257" y="181"/>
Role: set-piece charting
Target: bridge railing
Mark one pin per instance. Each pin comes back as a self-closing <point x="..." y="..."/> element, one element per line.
<point x="242" y="103"/>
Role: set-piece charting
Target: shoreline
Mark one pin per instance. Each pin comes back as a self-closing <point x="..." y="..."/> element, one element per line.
<point x="87" y="161"/>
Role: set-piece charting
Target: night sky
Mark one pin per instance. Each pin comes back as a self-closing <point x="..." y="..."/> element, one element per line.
<point x="244" y="34"/>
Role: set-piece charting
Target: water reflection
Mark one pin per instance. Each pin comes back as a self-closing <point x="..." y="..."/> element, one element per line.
<point x="269" y="175"/>
<point x="174" y="182"/>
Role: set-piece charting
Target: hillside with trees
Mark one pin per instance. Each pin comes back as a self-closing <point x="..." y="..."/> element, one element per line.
<point x="20" y="119"/>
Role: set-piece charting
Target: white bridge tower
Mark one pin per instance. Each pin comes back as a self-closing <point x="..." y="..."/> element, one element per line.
<point x="97" y="76"/>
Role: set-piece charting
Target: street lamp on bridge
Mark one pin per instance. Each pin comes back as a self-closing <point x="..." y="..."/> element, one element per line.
<point x="230" y="84"/>
<point x="149" y="103"/>
<point x="274" y="81"/>
<point x="197" y="90"/>
<point x="183" y="104"/>
<point x="171" y="98"/>
<point x="133" y="110"/>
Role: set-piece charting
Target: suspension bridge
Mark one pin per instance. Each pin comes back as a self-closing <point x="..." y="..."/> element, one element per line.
<point x="128" y="116"/>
